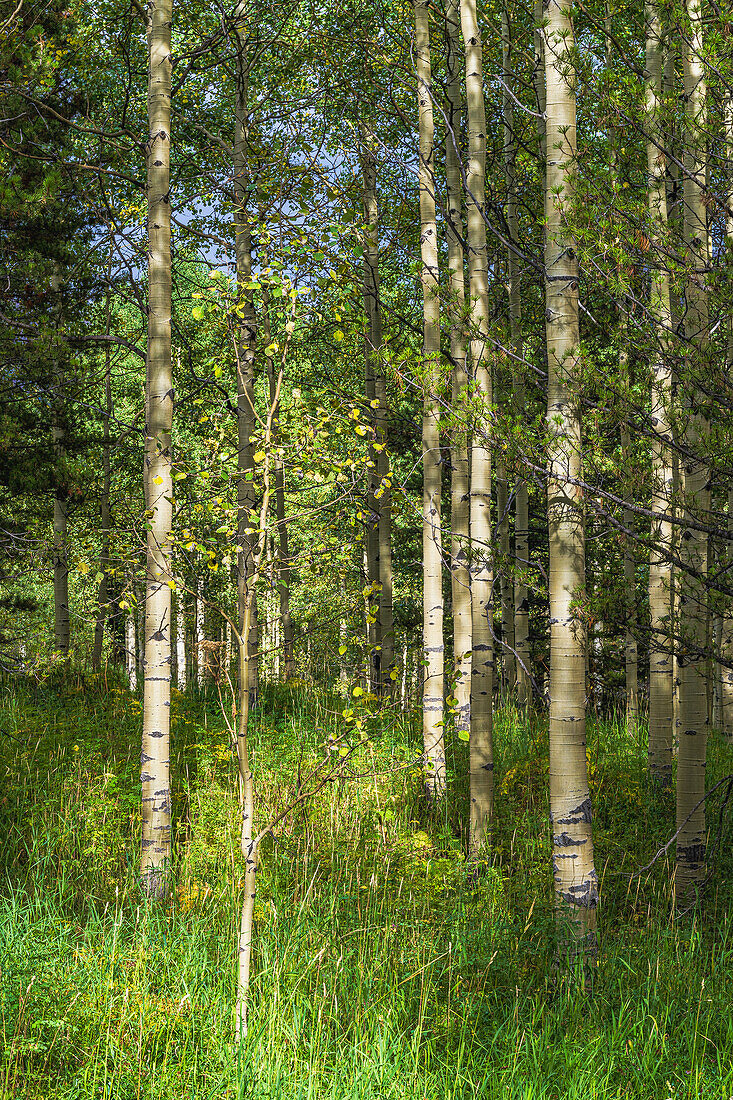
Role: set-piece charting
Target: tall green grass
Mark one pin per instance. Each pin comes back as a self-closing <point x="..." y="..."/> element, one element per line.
<point x="384" y="968"/>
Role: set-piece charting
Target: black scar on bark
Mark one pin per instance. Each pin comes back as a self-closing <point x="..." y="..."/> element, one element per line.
<point x="564" y="840"/>
<point x="583" y="812"/>
<point x="691" y="853"/>
<point x="585" y="894"/>
<point x="145" y="778"/>
<point x="144" y="758"/>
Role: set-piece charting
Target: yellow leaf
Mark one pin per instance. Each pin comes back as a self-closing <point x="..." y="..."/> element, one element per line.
<point x="259" y="456"/>
<point x="357" y="691"/>
<point x="342" y="650"/>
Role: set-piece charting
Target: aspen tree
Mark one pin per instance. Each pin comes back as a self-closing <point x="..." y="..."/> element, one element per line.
<point x="155" y="765"/>
<point x="379" y="504"/>
<point x="660" y="568"/>
<point x="693" y="549"/>
<point x="482" y="677"/>
<point x="460" y="547"/>
<point x="105" y="513"/>
<point x="130" y="649"/>
<point x="245" y="337"/>
<point x="576" y="889"/>
<point x="180" y="641"/>
<point x="432" y="699"/>
<point x="514" y="631"/>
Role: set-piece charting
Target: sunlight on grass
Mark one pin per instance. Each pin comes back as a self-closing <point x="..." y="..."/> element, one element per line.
<point x="384" y="968"/>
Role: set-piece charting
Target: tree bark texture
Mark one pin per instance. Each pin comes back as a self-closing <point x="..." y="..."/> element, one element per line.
<point x="155" y="766"/>
<point x="481" y="753"/>
<point x="693" y="549"/>
<point x="576" y="884"/>
<point x="245" y="341"/>
<point x="660" y="568"/>
<point x="432" y="699"/>
<point x="460" y="500"/>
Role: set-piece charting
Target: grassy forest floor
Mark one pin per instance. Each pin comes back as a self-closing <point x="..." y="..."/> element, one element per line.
<point x="383" y="967"/>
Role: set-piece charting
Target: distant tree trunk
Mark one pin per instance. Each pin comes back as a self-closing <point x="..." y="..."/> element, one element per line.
<point x="62" y="623"/>
<point x="460" y="499"/>
<point x="538" y="73"/>
<point x="660" y="566"/>
<point x="576" y="884"/>
<point x="434" y="748"/>
<point x="105" y="513"/>
<point x="245" y="339"/>
<point x="155" y="767"/>
<point x="130" y="649"/>
<point x="726" y="636"/>
<point x="198" y="634"/>
<point x="690" y="867"/>
<point x="513" y="596"/>
<point x="508" y="660"/>
<point x="726" y="626"/>
<point x="481" y="752"/>
<point x="181" y="642"/>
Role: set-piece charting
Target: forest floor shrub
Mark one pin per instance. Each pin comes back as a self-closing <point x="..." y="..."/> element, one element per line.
<point x="384" y="966"/>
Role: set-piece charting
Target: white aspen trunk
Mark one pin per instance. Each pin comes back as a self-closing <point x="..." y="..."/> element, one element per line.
<point x="199" y="636"/>
<point x="181" y="643"/>
<point x="576" y="884"/>
<point x="403" y="695"/>
<point x="460" y="498"/>
<point x="154" y="760"/>
<point x="660" y="567"/>
<point x="130" y="649"/>
<point x="481" y="750"/>
<point x="693" y="549"/>
<point x="433" y="744"/>
<point x="246" y="340"/>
